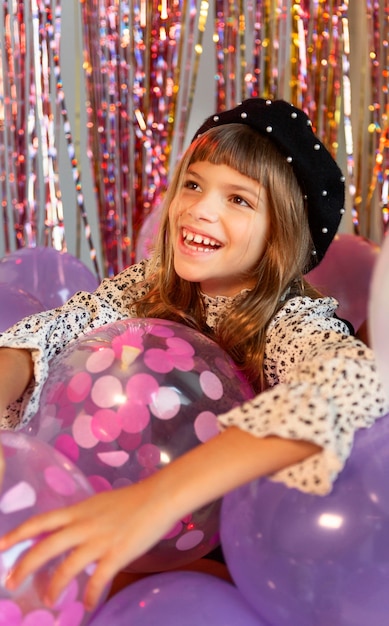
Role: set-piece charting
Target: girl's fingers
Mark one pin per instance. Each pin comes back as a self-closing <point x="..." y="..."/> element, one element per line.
<point x="43" y="551"/>
<point x="82" y="558"/>
<point x="74" y="563"/>
<point x="98" y="582"/>
<point x="88" y="533"/>
<point x="37" y="525"/>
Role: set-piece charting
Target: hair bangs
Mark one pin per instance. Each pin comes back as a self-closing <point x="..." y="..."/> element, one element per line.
<point x="236" y="146"/>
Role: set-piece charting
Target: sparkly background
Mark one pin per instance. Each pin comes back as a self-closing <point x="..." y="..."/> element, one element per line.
<point x="140" y="63"/>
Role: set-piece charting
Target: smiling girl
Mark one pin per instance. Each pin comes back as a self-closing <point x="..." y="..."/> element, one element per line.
<point x="253" y="205"/>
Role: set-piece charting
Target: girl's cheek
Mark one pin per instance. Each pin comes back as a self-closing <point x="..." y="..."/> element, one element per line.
<point x="174" y="210"/>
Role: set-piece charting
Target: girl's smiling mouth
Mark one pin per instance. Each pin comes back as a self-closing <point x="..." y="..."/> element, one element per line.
<point x="198" y="242"/>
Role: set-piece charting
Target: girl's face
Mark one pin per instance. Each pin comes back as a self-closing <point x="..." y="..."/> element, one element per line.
<point x="219" y="226"/>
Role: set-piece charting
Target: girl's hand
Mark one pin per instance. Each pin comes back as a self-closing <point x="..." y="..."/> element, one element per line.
<point x="114" y="528"/>
<point x="110" y="530"/>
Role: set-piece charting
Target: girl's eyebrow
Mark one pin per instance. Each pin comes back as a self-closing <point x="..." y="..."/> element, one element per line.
<point x="191" y="172"/>
<point x="232" y="187"/>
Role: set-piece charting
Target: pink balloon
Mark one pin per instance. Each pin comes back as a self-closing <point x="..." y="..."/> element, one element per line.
<point x="15" y="304"/>
<point x="145" y="241"/>
<point x="37" y="479"/>
<point x="345" y="273"/>
<point x="378" y="319"/>
<point x="152" y="397"/>
<point x="49" y="275"/>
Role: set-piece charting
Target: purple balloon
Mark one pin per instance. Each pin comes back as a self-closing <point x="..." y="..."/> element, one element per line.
<point x="49" y="275"/>
<point x="37" y="479"/>
<point x="15" y="304"/>
<point x="177" y="599"/>
<point x="124" y="400"/>
<point x="345" y="273"/>
<point x="304" y="559"/>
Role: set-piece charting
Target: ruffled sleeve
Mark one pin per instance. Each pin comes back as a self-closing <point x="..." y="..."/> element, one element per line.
<point x="48" y="333"/>
<point x="323" y="386"/>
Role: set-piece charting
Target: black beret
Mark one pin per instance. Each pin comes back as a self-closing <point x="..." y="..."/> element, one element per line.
<point x="318" y="174"/>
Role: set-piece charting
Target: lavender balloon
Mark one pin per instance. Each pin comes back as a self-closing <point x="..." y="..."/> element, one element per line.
<point x="126" y="399"/>
<point x="15" y="304"/>
<point x="304" y="559"/>
<point x="49" y="275"/>
<point x="37" y="479"/>
<point x="178" y="599"/>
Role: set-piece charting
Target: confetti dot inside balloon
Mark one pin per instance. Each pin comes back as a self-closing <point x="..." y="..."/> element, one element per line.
<point x="37" y="479"/>
<point x="131" y="416"/>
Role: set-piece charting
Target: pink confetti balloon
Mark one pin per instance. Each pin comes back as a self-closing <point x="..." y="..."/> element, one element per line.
<point x="37" y="479"/>
<point x="126" y="399"/>
<point x="345" y="273"/>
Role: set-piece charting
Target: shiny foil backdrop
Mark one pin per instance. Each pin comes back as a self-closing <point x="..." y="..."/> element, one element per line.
<point x="98" y="98"/>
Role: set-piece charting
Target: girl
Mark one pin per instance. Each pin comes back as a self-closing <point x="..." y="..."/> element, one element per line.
<point x="253" y="205"/>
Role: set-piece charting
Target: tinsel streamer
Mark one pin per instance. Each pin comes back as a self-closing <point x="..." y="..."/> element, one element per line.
<point x="272" y="10"/>
<point x="226" y="20"/>
<point x="32" y="109"/>
<point x="273" y="60"/>
<point x="198" y="48"/>
<point x="379" y="126"/>
<point x="62" y="114"/>
<point x="190" y="51"/>
<point x="17" y="161"/>
<point x="345" y="112"/>
<point x="44" y="105"/>
<point x="294" y="48"/>
<point x="368" y="157"/>
<point x="3" y="143"/>
<point x="106" y="36"/>
<point x="382" y="162"/>
<point x="320" y="33"/>
<point x="254" y="68"/>
<point x="299" y="37"/>
<point x="242" y="47"/>
<point x="360" y="163"/>
<point x="133" y="63"/>
<point x="366" y="161"/>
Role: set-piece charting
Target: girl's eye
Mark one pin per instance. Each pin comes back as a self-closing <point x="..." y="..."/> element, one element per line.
<point x="241" y="201"/>
<point x="190" y="184"/>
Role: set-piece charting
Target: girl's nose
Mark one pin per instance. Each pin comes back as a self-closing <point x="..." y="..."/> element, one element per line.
<point x="205" y="208"/>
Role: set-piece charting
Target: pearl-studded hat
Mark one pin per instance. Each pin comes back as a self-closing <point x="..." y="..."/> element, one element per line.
<point x="318" y="174"/>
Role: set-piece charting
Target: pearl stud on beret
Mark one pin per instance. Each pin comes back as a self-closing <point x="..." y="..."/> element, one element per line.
<point x="318" y="174"/>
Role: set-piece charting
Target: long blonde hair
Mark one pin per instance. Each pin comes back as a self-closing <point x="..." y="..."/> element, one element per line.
<point x="280" y="270"/>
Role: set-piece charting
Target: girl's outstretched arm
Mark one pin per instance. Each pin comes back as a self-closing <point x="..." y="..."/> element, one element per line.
<point x="114" y="528"/>
<point x="16" y="371"/>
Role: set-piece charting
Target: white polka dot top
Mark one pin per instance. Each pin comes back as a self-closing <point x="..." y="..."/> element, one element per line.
<point x="323" y="384"/>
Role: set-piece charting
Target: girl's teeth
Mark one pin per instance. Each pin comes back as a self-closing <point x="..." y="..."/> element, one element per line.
<point x="195" y="238"/>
